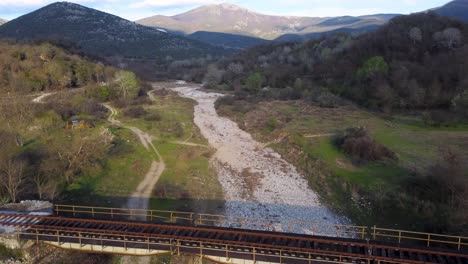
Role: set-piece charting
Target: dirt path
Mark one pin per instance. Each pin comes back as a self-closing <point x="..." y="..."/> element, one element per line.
<point x="256" y="181"/>
<point x="320" y="135"/>
<point x="140" y="198"/>
<point x="40" y="98"/>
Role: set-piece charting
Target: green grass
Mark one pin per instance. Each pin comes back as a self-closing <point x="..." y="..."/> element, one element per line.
<point x="333" y="174"/>
<point x="188" y="182"/>
<point x="117" y="177"/>
<point x="174" y="111"/>
<point x="187" y="173"/>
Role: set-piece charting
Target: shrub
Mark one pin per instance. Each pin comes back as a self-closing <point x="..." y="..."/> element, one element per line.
<point x="272" y="124"/>
<point x="120" y="147"/>
<point x="357" y="143"/>
<point x="373" y="66"/>
<point x="460" y="104"/>
<point x="439" y="118"/>
<point x="225" y="100"/>
<point x="135" y="112"/>
<point x="154" y="116"/>
<point x="178" y="130"/>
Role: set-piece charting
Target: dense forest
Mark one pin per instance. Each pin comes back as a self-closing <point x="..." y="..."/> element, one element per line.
<point x="415" y="62"/>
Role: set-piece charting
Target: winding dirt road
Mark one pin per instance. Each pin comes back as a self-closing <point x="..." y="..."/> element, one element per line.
<point x="140" y="198"/>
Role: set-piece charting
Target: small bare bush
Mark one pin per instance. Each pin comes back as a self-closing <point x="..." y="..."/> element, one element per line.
<point x="135" y="112"/>
<point x="357" y="143"/>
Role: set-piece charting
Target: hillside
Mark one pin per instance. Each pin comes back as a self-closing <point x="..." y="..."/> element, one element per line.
<point x="225" y="40"/>
<point x="455" y="9"/>
<point x="44" y="67"/>
<point x="302" y="37"/>
<point x="2" y="21"/>
<point x="394" y="67"/>
<point x="228" y="18"/>
<point x="101" y="34"/>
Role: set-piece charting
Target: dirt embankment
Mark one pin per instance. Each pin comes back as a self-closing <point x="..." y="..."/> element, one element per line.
<point x="256" y="181"/>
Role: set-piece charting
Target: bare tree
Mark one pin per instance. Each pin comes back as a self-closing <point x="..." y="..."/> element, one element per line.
<point x="236" y="68"/>
<point x="40" y="180"/>
<point x="450" y="38"/>
<point x="213" y="76"/>
<point x="415" y="34"/>
<point x="77" y="153"/>
<point x="12" y="176"/>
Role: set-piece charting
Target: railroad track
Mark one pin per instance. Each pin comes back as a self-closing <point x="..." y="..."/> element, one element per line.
<point x="215" y="241"/>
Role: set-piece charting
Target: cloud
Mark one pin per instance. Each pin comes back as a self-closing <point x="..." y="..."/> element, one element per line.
<point x="25" y="3"/>
<point x="172" y="3"/>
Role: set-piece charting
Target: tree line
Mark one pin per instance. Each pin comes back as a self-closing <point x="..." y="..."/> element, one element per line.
<point x="417" y="62"/>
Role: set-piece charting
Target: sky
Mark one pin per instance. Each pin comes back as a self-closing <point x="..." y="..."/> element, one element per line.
<point x="134" y="10"/>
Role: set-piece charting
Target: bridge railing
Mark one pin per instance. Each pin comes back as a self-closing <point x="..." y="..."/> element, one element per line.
<point x="321" y="229"/>
<point x="428" y="239"/>
<point x="153" y="245"/>
<point x="124" y="213"/>
<point x="312" y="228"/>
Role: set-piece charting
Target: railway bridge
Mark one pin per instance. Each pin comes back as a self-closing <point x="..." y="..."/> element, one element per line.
<point x="230" y="240"/>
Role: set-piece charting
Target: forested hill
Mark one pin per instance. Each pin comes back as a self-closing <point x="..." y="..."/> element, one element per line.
<point x="415" y="62"/>
<point x="101" y="34"/>
<point x="418" y="61"/>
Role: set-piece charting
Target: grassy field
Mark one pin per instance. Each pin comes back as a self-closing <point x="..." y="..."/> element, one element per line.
<point x="187" y="184"/>
<point x="119" y="174"/>
<point x="303" y="134"/>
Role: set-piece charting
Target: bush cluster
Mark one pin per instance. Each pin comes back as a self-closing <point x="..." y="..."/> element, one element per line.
<point x="357" y="143"/>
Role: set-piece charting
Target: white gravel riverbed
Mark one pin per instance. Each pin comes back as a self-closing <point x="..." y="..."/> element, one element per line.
<point x="256" y="181"/>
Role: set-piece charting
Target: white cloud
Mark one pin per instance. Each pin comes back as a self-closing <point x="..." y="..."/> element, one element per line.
<point x="169" y="3"/>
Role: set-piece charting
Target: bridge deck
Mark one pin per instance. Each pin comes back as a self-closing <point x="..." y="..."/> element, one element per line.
<point x="225" y="242"/>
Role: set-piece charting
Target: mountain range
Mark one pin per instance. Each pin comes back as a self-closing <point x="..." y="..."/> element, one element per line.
<point x="232" y="19"/>
<point x="2" y="21"/>
<point x="101" y="34"/>
<point x="217" y="29"/>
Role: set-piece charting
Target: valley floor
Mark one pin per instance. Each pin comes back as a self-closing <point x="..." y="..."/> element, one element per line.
<point x="387" y="194"/>
<point x="256" y="181"/>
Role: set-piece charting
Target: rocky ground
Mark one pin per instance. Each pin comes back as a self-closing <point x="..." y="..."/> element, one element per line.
<point x="256" y="181"/>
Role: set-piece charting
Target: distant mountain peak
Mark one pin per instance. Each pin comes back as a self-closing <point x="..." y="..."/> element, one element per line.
<point x="229" y="6"/>
<point x="217" y="9"/>
<point x="101" y="34"/>
<point x="233" y="19"/>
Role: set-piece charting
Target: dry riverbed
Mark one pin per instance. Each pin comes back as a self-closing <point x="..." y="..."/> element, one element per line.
<point x="256" y="181"/>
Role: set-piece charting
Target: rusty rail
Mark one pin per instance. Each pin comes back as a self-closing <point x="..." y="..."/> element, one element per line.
<point x="312" y="228"/>
<point x="274" y="225"/>
<point x="215" y="241"/>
